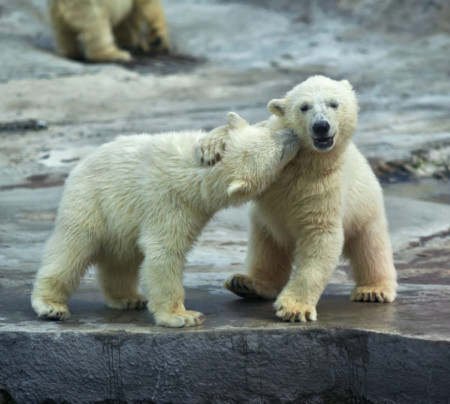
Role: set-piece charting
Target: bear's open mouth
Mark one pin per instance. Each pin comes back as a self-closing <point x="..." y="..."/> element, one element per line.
<point x="323" y="143"/>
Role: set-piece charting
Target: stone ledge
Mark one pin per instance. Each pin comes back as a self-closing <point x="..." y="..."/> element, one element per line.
<point x="356" y="352"/>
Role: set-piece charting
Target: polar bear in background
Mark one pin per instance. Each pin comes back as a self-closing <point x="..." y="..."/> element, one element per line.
<point x="325" y="202"/>
<point x="138" y="204"/>
<point x="95" y="29"/>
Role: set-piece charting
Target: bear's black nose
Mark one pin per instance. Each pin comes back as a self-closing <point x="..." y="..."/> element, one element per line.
<point x="321" y="128"/>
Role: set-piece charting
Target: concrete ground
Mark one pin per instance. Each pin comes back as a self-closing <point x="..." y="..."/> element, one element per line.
<point x="356" y="352"/>
<point x="231" y="56"/>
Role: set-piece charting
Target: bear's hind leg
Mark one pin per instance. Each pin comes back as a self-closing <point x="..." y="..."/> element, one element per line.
<point x="66" y="259"/>
<point x="157" y="35"/>
<point x="269" y="266"/>
<point x="128" y="33"/>
<point x="119" y="282"/>
<point x="370" y="254"/>
<point x="98" y="41"/>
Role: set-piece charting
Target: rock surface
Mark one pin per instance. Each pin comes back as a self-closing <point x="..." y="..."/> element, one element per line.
<point x="231" y="56"/>
<point x="356" y="352"/>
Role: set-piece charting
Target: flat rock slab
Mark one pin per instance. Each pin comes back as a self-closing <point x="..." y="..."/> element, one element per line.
<point x="366" y="352"/>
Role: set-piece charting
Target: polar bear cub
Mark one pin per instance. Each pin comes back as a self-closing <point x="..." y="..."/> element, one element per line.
<point x="327" y="201"/>
<point x="95" y="29"/>
<point x="138" y="203"/>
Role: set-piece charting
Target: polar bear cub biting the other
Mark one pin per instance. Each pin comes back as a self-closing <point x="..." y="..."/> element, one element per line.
<point x="138" y="203"/>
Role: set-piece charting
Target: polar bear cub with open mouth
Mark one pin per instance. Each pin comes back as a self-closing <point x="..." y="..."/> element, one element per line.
<point x="137" y="205"/>
<point x="326" y="202"/>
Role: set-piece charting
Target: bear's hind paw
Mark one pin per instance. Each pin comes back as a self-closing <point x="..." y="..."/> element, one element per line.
<point x="374" y="294"/>
<point x="241" y="285"/>
<point x="110" y="54"/>
<point x="133" y="302"/>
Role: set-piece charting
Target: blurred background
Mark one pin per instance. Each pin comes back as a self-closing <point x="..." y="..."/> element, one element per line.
<point x="234" y="55"/>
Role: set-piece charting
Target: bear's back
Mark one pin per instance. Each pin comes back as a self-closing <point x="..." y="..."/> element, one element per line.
<point x="127" y="156"/>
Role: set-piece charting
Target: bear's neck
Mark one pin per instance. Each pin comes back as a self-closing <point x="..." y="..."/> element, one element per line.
<point x="319" y="164"/>
<point x="211" y="189"/>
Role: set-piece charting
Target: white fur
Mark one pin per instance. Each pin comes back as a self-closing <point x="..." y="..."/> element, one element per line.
<point x="325" y="202"/>
<point x="138" y="203"/>
<point x="95" y="29"/>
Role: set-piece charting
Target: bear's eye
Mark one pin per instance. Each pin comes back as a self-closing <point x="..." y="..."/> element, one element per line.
<point x="334" y="104"/>
<point x="304" y="107"/>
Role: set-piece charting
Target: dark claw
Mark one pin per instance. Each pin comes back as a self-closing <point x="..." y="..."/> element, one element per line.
<point x="157" y="42"/>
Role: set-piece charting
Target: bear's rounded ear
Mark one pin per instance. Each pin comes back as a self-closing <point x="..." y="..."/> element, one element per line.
<point x="347" y="84"/>
<point x="277" y="106"/>
<point x="239" y="187"/>
<point x="235" y="121"/>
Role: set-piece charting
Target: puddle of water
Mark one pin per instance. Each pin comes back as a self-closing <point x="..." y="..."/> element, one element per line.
<point x="65" y="157"/>
<point x="425" y="189"/>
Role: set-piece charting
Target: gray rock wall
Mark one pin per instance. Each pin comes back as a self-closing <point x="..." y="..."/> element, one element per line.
<point x="257" y="366"/>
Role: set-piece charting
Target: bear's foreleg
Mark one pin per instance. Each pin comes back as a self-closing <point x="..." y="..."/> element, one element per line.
<point x="162" y="274"/>
<point x="269" y="265"/>
<point x="119" y="281"/>
<point x="211" y="147"/>
<point x="370" y="254"/>
<point x="317" y="254"/>
<point x="162" y="277"/>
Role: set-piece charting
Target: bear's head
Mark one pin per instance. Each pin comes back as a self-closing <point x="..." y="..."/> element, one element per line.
<point x="254" y="156"/>
<point x="322" y="112"/>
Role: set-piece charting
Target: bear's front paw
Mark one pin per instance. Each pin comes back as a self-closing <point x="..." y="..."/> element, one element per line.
<point x="291" y="309"/>
<point x="51" y="310"/>
<point x="211" y="154"/>
<point x="188" y="318"/>
<point x="110" y="54"/>
<point x="210" y="151"/>
<point x="375" y="293"/>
